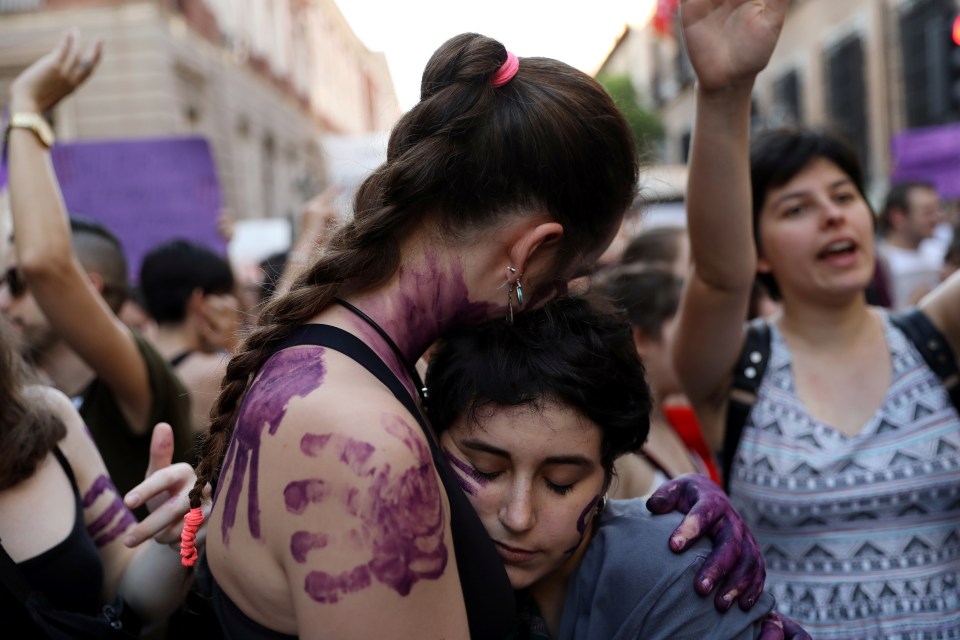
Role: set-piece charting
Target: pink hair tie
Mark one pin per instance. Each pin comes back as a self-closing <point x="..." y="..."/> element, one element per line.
<point x="506" y="71"/>
<point x="188" y="537"/>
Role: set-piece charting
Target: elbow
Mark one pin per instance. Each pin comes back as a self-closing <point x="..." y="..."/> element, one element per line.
<point x="42" y="267"/>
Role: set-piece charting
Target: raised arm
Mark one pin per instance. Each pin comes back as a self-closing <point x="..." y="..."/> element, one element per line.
<point x="942" y="306"/>
<point x="728" y="44"/>
<point x="66" y="295"/>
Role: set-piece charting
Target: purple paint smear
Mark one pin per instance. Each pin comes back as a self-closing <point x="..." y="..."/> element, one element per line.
<point x="300" y="493"/>
<point x="145" y="191"/>
<point x="302" y="542"/>
<point x="403" y="522"/>
<point x="466" y="474"/>
<point x="353" y="453"/>
<point x="101" y="484"/>
<point x="98" y="528"/>
<point x="290" y="373"/>
<point x="585" y="515"/>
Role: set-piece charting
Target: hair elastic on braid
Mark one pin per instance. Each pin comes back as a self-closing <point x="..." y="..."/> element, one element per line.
<point x="188" y="537"/>
<point x="506" y="71"/>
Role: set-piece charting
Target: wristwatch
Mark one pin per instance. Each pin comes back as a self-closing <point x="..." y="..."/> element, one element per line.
<point x="34" y="122"/>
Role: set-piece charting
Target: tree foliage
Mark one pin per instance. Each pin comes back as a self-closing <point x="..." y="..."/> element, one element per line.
<point x="647" y="128"/>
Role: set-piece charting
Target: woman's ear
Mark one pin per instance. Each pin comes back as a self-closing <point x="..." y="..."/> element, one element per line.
<point x="533" y="243"/>
<point x="763" y="266"/>
<point x="641" y="341"/>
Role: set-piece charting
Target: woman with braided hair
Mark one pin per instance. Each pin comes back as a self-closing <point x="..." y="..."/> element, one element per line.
<point x="336" y="515"/>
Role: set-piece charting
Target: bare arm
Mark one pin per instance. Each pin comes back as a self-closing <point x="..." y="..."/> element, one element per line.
<point x="55" y="278"/>
<point x="728" y="45"/>
<point x="942" y="306"/>
<point x="319" y="218"/>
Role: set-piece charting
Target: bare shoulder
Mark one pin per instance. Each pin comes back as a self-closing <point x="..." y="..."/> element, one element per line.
<point x="942" y="306"/>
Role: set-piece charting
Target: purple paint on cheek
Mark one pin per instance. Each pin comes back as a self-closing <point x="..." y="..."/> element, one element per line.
<point x="324" y="587"/>
<point x="101" y="484"/>
<point x="587" y="513"/>
<point x="302" y="542"/>
<point x="467" y="476"/>
<point x="287" y="374"/>
<point x="299" y="494"/>
<point x="353" y="453"/>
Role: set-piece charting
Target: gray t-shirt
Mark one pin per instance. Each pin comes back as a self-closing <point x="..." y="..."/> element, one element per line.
<point x="631" y="585"/>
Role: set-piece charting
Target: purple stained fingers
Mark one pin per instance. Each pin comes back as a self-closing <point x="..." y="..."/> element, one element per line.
<point x="290" y="373"/>
<point x="100" y="529"/>
<point x="401" y="515"/>
<point x="736" y="556"/>
<point x="777" y="626"/>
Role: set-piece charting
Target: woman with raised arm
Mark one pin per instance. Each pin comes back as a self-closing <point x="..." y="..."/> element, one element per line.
<point x="336" y="516"/>
<point x="848" y="465"/>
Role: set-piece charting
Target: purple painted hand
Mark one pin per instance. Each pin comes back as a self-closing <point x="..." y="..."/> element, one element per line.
<point x="777" y="626"/>
<point x="735" y="558"/>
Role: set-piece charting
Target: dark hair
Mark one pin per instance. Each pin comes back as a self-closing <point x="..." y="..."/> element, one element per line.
<point x="28" y="429"/>
<point x="273" y="267"/>
<point x="659" y="245"/>
<point x="171" y="272"/>
<point x="570" y="351"/>
<point x="100" y="251"/>
<point x="899" y="198"/>
<point x="466" y="157"/>
<point x="777" y="155"/>
<point x="650" y="295"/>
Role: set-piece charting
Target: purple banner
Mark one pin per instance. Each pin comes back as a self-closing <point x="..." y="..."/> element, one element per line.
<point x="145" y="191"/>
<point x="931" y="154"/>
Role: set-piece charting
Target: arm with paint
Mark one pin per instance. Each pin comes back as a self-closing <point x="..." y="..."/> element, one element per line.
<point x="149" y="575"/>
<point x="369" y="550"/>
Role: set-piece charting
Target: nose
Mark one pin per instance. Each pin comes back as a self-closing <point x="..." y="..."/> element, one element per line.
<point x="517" y="511"/>
<point x="833" y="213"/>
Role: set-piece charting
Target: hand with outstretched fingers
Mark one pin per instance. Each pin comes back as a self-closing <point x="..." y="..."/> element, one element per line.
<point x="164" y="490"/>
<point x="736" y="557"/>
<point x="730" y="41"/>
<point x="777" y="626"/>
<point x="56" y="75"/>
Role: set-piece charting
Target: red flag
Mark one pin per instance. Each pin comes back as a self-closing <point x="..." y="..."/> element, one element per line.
<point x="663" y="18"/>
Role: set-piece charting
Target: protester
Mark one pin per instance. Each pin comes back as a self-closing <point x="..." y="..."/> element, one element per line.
<point x="189" y="292"/>
<point x="910" y="216"/>
<point x="535" y="417"/>
<point x="65" y="524"/>
<point x="336" y="515"/>
<point x="848" y="466"/>
<point x="63" y="290"/>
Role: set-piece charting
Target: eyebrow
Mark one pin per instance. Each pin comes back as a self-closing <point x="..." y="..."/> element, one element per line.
<point x="797" y="194"/>
<point x="479" y="445"/>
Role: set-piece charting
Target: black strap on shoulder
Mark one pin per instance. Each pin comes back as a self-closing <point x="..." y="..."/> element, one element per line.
<point x="348" y="344"/>
<point x="747" y="376"/>
<point x="178" y="359"/>
<point x="13" y="579"/>
<point x="934" y="349"/>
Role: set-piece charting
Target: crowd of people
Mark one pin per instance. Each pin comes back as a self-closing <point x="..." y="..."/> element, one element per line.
<point x="448" y="416"/>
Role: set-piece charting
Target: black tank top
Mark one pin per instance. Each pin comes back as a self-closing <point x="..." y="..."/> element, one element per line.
<point x="70" y="573"/>
<point x="489" y="598"/>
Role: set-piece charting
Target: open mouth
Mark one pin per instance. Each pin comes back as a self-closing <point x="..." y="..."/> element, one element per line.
<point x="838" y="249"/>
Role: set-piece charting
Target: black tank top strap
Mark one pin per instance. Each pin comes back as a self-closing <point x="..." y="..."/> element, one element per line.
<point x="178" y="359"/>
<point x="67" y="469"/>
<point x="487" y="593"/>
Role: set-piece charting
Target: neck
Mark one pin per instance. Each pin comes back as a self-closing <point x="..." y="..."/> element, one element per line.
<point x="550" y="592"/>
<point x="65" y="369"/>
<point x="173" y="339"/>
<point x="823" y="325"/>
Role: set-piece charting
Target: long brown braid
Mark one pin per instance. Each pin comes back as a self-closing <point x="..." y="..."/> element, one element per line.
<point x="469" y="155"/>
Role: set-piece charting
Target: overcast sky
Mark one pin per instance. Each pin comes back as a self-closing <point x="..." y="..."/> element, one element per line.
<point x="408" y="31"/>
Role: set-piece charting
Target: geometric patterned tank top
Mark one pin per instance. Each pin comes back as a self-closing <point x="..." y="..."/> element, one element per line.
<point x="861" y="535"/>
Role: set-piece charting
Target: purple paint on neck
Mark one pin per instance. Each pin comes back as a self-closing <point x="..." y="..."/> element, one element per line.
<point x="300" y="493"/>
<point x="353" y="453"/>
<point x="466" y="474"/>
<point x="302" y="542"/>
<point x="290" y="373"/>
<point x="101" y="484"/>
<point x="327" y="588"/>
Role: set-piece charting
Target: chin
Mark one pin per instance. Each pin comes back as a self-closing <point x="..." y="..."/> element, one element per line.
<point x="519" y="579"/>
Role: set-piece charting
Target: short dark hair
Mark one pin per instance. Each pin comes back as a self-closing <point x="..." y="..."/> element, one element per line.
<point x="101" y="252"/>
<point x="659" y="245"/>
<point x="899" y="198"/>
<point x="777" y="155"/>
<point x="572" y="350"/>
<point x="650" y="295"/>
<point x="172" y="271"/>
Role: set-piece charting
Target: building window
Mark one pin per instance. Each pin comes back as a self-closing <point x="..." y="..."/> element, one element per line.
<point x="787" y="110"/>
<point x="847" y="91"/>
<point x="931" y="63"/>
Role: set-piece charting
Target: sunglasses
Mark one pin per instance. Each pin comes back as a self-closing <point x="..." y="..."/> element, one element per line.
<point x="13" y="278"/>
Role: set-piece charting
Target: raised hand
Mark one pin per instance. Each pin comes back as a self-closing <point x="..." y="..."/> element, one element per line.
<point x="164" y="491"/>
<point x="730" y="41"/>
<point x="735" y="558"/>
<point x="55" y="76"/>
